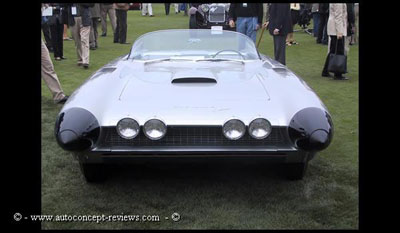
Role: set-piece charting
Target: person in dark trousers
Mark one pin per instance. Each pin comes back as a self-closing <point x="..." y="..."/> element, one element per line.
<point x="337" y="31"/>
<point x="46" y="33"/>
<point x="316" y="16"/>
<point x="323" y="20"/>
<point x="351" y="20"/>
<point x="167" y="5"/>
<point x="56" y="24"/>
<point x="121" y="10"/>
<point x="279" y="25"/>
<point x="247" y="17"/>
<point x="95" y="14"/>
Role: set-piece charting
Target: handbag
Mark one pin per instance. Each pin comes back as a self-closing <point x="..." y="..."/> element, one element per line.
<point x="337" y="62"/>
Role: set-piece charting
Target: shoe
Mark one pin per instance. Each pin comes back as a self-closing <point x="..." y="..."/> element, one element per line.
<point x="151" y="15"/>
<point x="86" y="66"/>
<point x="63" y="58"/>
<point x="57" y="58"/>
<point x="67" y="38"/>
<point x="104" y="34"/>
<point x="326" y="75"/>
<point x="288" y="44"/>
<point x="116" y="41"/>
<point x="340" y="78"/>
<point x="294" y="42"/>
<point x="63" y="100"/>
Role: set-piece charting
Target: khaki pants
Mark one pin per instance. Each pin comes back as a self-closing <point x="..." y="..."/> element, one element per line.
<point x="104" y="10"/>
<point x="49" y="75"/>
<point x="80" y="34"/>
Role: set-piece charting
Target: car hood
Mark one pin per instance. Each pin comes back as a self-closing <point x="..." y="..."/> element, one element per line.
<point x="173" y="91"/>
<point x="193" y="93"/>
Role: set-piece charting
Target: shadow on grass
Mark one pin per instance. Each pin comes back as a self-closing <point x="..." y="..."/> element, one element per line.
<point x="197" y="171"/>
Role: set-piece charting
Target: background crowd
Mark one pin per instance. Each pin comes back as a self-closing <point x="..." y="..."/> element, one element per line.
<point x="334" y="24"/>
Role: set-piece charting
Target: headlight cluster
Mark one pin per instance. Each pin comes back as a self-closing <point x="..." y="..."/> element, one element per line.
<point x="259" y="128"/>
<point x="233" y="129"/>
<point x="154" y="129"/>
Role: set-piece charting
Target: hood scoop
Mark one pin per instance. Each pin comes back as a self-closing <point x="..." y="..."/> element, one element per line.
<point x="193" y="76"/>
<point x="194" y="80"/>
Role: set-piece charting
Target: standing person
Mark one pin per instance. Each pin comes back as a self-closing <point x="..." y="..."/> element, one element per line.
<point x="354" y="38"/>
<point x="185" y="9"/>
<point x="80" y="30"/>
<point x="247" y="17"/>
<point x="177" y="10"/>
<point x="107" y="9"/>
<point x="316" y="18"/>
<point x="167" y="5"/>
<point x="147" y="9"/>
<point x="95" y="13"/>
<point x="350" y="26"/>
<point x="50" y="77"/>
<point x="46" y="29"/>
<point x="56" y="24"/>
<point x="65" y="35"/>
<point x="279" y="26"/>
<point x="337" y="31"/>
<point x="294" y="14"/>
<point x="324" y="14"/>
<point x="121" y="10"/>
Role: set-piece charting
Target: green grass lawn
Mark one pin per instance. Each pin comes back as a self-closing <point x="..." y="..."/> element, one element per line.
<point x="210" y="196"/>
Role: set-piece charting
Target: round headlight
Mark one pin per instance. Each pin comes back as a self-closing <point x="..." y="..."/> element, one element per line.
<point x="234" y="129"/>
<point x="154" y="129"/>
<point x="205" y="7"/>
<point x="128" y="128"/>
<point x="260" y="128"/>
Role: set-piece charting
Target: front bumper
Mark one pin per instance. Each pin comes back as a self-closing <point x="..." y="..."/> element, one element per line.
<point x="101" y="155"/>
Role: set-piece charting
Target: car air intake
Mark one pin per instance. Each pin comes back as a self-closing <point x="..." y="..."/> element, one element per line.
<point x="194" y="80"/>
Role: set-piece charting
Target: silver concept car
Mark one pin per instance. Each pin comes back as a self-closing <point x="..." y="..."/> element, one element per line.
<point x="193" y="93"/>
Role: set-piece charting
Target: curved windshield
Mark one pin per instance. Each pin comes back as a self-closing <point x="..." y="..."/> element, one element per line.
<point x="194" y="44"/>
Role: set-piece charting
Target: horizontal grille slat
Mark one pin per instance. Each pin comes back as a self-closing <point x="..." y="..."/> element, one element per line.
<point x="191" y="136"/>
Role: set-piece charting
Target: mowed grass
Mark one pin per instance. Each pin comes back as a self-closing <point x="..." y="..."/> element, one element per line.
<point x="209" y="195"/>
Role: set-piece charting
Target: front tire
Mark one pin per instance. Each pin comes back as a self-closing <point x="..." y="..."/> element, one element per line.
<point x="296" y="171"/>
<point x="93" y="172"/>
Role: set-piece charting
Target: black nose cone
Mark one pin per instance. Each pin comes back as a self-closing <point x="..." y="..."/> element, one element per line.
<point x="319" y="140"/>
<point x="67" y="137"/>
